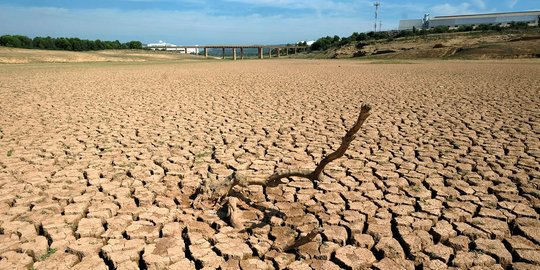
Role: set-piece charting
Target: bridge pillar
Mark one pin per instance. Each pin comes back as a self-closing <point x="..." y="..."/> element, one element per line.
<point x="295" y="50"/>
<point x="234" y="53"/>
<point x="206" y="52"/>
<point x="287" y="51"/>
<point x="260" y="52"/>
<point x="269" y="52"/>
<point x="277" y="52"/>
<point x="242" y="53"/>
<point x="223" y="52"/>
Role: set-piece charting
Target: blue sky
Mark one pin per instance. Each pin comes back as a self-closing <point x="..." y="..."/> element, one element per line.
<point x="192" y="22"/>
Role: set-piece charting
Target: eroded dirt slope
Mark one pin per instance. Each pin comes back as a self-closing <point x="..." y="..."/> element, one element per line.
<point x="24" y="56"/>
<point x="97" y="164"/>
<point x="474" y="45"/>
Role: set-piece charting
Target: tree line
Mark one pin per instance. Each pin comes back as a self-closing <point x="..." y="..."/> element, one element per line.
<point x="66" y="44"/>
<point x="327" y="42"/>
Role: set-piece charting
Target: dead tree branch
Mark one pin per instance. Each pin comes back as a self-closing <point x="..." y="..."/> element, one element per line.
<point x="275" y="179"/>
<point x="345" y="143"/>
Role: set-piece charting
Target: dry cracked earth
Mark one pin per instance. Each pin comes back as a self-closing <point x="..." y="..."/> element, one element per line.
<point x="99" y="163"/>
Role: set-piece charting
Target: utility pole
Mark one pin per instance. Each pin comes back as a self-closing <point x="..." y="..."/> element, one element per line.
<point x="376" y="4"/>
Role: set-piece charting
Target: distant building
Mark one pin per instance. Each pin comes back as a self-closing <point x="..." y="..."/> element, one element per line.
<point x="307" y="42"/>
<point x="164" y="46"/>
<point x="503" y="19"/>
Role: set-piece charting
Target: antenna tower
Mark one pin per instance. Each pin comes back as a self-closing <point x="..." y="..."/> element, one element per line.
<point x="376" y="4"/>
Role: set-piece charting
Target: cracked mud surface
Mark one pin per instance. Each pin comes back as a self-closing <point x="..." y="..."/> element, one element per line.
<point x="98" y="163"/>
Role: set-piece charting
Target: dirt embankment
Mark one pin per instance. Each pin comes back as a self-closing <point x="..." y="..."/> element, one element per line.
<point x="474" y="45"/>
<point x="21" y="56"/>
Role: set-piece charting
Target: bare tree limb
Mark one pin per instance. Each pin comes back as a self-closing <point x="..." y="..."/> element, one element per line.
<point x="275" y="179"/>
<point x="345" y="142"/>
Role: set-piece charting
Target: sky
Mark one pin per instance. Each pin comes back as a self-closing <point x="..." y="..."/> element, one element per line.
<point x="242" y="22"/>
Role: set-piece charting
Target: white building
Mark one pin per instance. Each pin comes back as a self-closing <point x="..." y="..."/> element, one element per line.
<point x="164" y="46"/>
<point x="307" y="42"/>
<point x="530" y="17"/>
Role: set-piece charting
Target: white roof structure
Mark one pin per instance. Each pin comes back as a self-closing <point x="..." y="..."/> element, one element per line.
<point x="160" y="43"/>
<point x="530" y="17"/>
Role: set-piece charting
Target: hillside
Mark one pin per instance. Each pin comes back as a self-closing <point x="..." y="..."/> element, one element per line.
<point x="471" y="45"/>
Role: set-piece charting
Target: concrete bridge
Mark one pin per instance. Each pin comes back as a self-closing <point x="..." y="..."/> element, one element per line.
<point x="277" y="50"/>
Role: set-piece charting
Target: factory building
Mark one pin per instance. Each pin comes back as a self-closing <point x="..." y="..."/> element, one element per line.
<point x="503" y="19"/>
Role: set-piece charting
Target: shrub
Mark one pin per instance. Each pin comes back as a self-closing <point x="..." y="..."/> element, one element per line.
<point x="440" y="29"/>
<point x="405" y="33"/>
<point x="465" y="28"/>
<point x="519" y="25"/>
<point x="361" y="45"/>
<point x="496" y="27"/>
<point x="483" y="27"/>
<point x="361" y="37"/>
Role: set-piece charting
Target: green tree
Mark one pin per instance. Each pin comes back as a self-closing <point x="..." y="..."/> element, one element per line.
<point x="50" y="43"/>
<point x="99" y="45"/>
<point x="362" y="37"/>
<point x="10" y="41"/>
<point x="26" y="42"/>
<point x="63" y="44"/>
<point x="134" y="44"/>
<point x="117" y="45"/>
<point x="324" y="43"/>
<point x="38" y="43"/>
<point x="76" y="44"/>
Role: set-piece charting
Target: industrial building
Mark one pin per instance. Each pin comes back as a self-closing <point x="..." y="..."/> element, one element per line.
<point x="503" y="19"/>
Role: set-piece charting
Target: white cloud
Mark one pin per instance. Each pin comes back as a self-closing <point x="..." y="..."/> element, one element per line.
<point x="473" y="6"/>
<point x="319" y="6"/>
<point x="179" y="27"/>
<point x="470" y="7"/>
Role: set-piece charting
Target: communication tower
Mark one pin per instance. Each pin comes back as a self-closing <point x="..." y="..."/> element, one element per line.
<point x="377" y="4"/>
